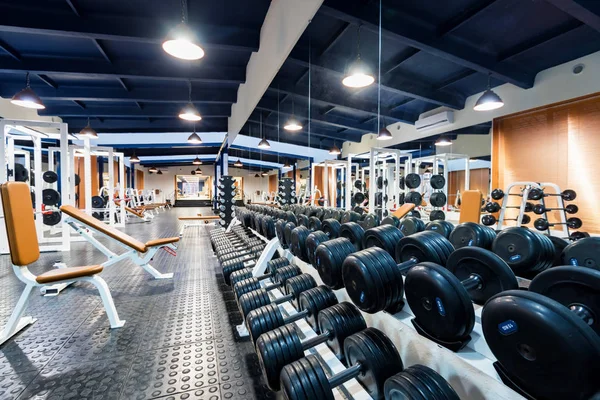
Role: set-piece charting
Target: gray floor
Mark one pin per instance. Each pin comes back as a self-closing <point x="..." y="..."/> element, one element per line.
<point x="178" y="342"/>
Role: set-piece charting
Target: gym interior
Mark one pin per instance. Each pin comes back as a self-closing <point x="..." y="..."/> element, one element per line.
<point x="285" y="199"/>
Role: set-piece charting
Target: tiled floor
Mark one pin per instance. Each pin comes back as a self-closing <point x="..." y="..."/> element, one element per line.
<point x="178" y="341"/>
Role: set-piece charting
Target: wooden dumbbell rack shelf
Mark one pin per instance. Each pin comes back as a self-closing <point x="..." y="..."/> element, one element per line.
<point x="470" y="371"/>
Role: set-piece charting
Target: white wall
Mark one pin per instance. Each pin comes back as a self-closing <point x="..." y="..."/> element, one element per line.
<point x="551" y="86"/>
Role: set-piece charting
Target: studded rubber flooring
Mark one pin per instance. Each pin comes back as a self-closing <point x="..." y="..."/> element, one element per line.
<point x="179" y="341"/>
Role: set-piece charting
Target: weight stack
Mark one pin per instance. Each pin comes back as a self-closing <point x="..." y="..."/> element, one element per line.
<point x="287" y="192"/>
<point x="226" y="194"/>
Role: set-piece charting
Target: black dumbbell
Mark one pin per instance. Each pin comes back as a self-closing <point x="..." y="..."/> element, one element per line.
<point x="569" y="209"/>
<point x="440" y="298"/>
<point x="371" y="356"/>
<point x="411" y="225"/>
<point x="542" y="224"/>
<point x="260" y="297"/>
<point x="385" y="237"/>
<point x="331" y="230"/>
<point x="498" y="194"/>
<point x="236" y="264"/>
<point x="329" y="258"/>
<point x="493" y="207"/>
<point x="444" y="228"/>
<point x="373" y="279"/>
<point x="310" y="302"/>
<point x="283" y="345"/>
<point x="489" y="220"/>
<point x="298" y="242"/>
<point x="246" y="273"/>
<point x="524" y="250"/>
<point x="546" y="340"/>
<point x="279" y="278"/>
<point x="472" y="234"/>
<point x="537" y="194"/>
<point x="419" y="382"/>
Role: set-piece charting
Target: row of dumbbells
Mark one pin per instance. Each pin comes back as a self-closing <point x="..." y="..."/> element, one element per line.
<point x="280" y="345"/>
<point x="442" y="283"/>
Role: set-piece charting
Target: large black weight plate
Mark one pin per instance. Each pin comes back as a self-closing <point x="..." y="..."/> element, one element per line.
<point x="50" y="176"/>
<point x="411" y="225"/>
<point x="377" y="355"/>
<point x="547" y="350"/>
<point x="329" y="258"/>
<point x="519" y="247"/>
<point x="495" y="274"/>
<point x="401" y="183"/>
<point x="437" y="215"/>
<point x="276" y="349"/>
<point x="305" y="379"/>
<point x="438" y="199"/>
<point x="401" y="387"/>
<point x="314" y="223"/>
<point x="312" y="242"/>
<point x="414" y="198"/>
<point x="287" y="232"/>
<point x="354" y="233"/>
<point x="434" y="381"/>
<point x="21" y="173"/>
<point x="440" y="303"/>
<point x="50" y="197"/>
<point x="298" y="242"/>
<point x="77" y="180"/>
<point x="383" y="236"/>
<point x="467" y="234"/>
<point x="412" y="181"/>
<point x="52" y="219"/>
<point x="437" y="181"/>
<point x="370" y="221"/>
<point x="444" y="228"/>
<point x="584" y="253"/>
<point x="98" y="202"/>
<point x="331" y="227"/>
<point x="573" y="287"/>
<point x="358" y="198"/>
<point x="421" y="246"/>
<point x="313" y="301"/>
<point x="391" y="220"/>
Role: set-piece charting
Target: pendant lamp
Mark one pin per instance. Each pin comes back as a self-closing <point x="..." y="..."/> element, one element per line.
<point x="134" y="158"/>
<point x="88" y="131"/>
<point x="358" y="73"/>
<point x="189" y="112"/>
<point x="181" y="41"/>
<point x="489" y="100"/>
<point x="292" y="124"/>
<point x="27" y="97"/>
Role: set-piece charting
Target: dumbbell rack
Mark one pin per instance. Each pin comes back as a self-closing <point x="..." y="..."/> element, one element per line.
<point x="226" y="200"/>
<point x="287" y="192"/>
<point x="470" y="370"/>
<point x="527" y="186"/>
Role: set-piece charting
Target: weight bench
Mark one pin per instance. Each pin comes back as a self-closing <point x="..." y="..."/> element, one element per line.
<point x="138" y="252"/>
<point x="403" y="210"/>
<point x="470" y="206"/>
<point x="200" y="217"/>
<point x="24" y="250"/>
<point x="138" y="214"/>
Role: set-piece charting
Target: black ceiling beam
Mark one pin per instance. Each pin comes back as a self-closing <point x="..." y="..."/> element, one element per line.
<point x="467" y="14"/>
<point x="9" y="50"/>
<point x="404" y="87"/>
<point x="95" y="94"/>
<point x="129" y="69"/>
<point x="586" y="11"/>
<point x="73" y="7"/>
<point x="284" y="135"/>
<point x="154" y="111"/>
<point x="330" y="99"/>
<point x="405" y="30"/>
<point x="102" y="50"/>
<point x="21" y="19"/>
<point x="48" y="81"/>
<point x="159" y="125"/>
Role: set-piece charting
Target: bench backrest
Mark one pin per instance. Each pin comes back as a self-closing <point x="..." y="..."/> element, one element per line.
<point x="20" y="223"/>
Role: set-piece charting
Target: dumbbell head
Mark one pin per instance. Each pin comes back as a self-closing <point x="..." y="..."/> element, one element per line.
<point x="371" y="356"/>
<point x="555" y="305"/>
<point x="312" y="242"/>
<point x="329" y="258"/>
<point x="418" y="381"/>
<point x="283" y="345"/>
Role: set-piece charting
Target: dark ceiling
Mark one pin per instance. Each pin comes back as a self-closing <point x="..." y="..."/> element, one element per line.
<point x="103" y="60"/>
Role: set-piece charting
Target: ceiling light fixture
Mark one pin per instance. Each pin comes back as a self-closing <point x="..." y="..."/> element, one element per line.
<point x="443" y="141"/>
<point x="489" y="100"/>
<point x="238" y="163"/>
<point x="190" y="112"/>
<point x="197" y="161"/>
<point x="198" y="171"/>
<point x="159" y="172"/>
<point x="264" y="143"/>
<point x="88" y="131"/>
<point x="335" y="151"/>
<point x="152" y="170"/>
<point x="264" y="173"/>
<point x="181" y="41"/>
<point x="194" y="138"/>
<point x="27" y="97"/>
<point x="256" y="175"/>
<point x="384" y="133"/>
<point x="287" y="165"/>
<point x="358" y="73"/>
<point x="292" y="124"/>
<point x="134" y="158"/>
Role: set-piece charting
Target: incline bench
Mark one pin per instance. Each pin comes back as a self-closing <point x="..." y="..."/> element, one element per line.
<point x="138" y="252"/>
<point x="200" y="217"/>
<point x="24" y="250"/>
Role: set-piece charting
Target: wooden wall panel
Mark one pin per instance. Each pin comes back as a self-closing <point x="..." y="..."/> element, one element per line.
<point x="480" y="180"/>
<point x="139" y="180"/>
<point x="273" y="183"/>
<point x="320" y="183"/>
<point x="80" y="170"/>
<point x="557" y="143"/>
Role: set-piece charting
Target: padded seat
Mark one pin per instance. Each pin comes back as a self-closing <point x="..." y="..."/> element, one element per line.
<point x="162" y="241"/>
<point x="64" y="274"/>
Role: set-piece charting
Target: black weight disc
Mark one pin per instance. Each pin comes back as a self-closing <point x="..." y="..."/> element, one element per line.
<point x="584" y="253"/>
<point x="350" y="216"/>
<point x="303" y="220"/>
<point x="279" y="230"/>
<point x="314" y="224"/>
<point x="420" y="246"/>
<point x="50" y="197"/>
<point x="340" y="321"/>
<point x="467" y="234"/>
<point x="51" y="219"/>
<point x="444" y="228"/>
<point x="391" y="220"/>
<point x="50" y="177"/>
<point x="573" y="287"/>
<point x="331" y="227"/>
<point x="377" y="355"/>
<point x="383" y="236"/>
<point x="329" y="258"/>
<point x="400" y="387"/>
<point x="298" y="242"/>
<point x="437" y="199"/>
<point x="440" y="303"/>
<point x="434" y="381"/>
<point x="312" y="242"/>
<point x="287" y="233"/>
<point x="354" y="233"/>
<point x="411" y="225"/>
<point x="495" y="274"/>
<point x="519" y="247"/>
<point x="547" y="350"/>
<point x="412" y="181"/>
<point x="413" y="198"/>
<point x="305" y="379"/>
<point x="437" y="181"/>
<point x="437" y="215"/>
<point x="370" y="221"/>
<point x="314" y="300"/>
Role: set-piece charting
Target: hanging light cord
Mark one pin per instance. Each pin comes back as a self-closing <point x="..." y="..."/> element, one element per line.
<point x="379" y="70"/>
<point x="27" y="79"/>
<point x="190" y="91"/>
<point x="184" y="11"/>
<point x="278" y="120"/>
<point x="358" y="39"/>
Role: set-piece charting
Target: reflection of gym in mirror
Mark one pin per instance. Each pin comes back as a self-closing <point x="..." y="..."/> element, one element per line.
<point x="193" y="187"/>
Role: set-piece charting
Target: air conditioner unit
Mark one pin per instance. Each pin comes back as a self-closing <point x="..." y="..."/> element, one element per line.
<point x="435" y="121"/>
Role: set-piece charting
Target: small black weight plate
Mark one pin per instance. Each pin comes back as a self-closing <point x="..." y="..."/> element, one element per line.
<point x="331" y="227"/>
<point x="358" y="198"/>
<point x="391" y="220"/>
<point x="414" y="198"/>
<point x="440" y="303"/>
<point x="370" y="221"/>
<point x="303" y="220"/>
<point x="383" y="236"/>
<point x="518" y="247"/>
<point x="327" y="213"/>
<point x="411" y="225"/>
<point x="50" y="177"/>
<point x="438" y="199"/>
<point x="584" y="253"/>
<point x="385" y="288"/>
<point x="358" y="184"/>
<point x="312" y="242"/>
<point x="52" y="219"/>
<point x="279" y="225"/>
<point x="377" y="355"/>
<point x="412" y="181"/>
<point x="573" y="287"/>
<point x="315" y="300"/>
<point x="340" y="321"/>
<point x="437" y="181"/>
<point x="354" y="233"/>
<point x="495" y="274"/>
<point x="287" y="232"/>
<point x="318" y="212"/>
<point x="379" y="182"/>
<point x="434" y="380"/>
<point x="21" y="173"/>
<point x="401" y="183"/>
<point x="50" y="197"/>
<point x="437" y="215"/>
<point x="350" y="216"/>
<point x="444" y="228"/>
<point x="546" y="349"/>
<point x="314" y="223"/>
<point x="467" y="234"/>
<point x="337" y="215"/>
<point x="77" y="180"/>
<point x="398" y="387"/>
<point x="420" y="247"/>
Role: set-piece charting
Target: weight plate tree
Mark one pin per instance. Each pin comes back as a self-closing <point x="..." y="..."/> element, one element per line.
<point x="371" y="358"/>
<point x="287" y="192"/>
<point x="226" y="193"/>
<point x="546" y="339"/>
